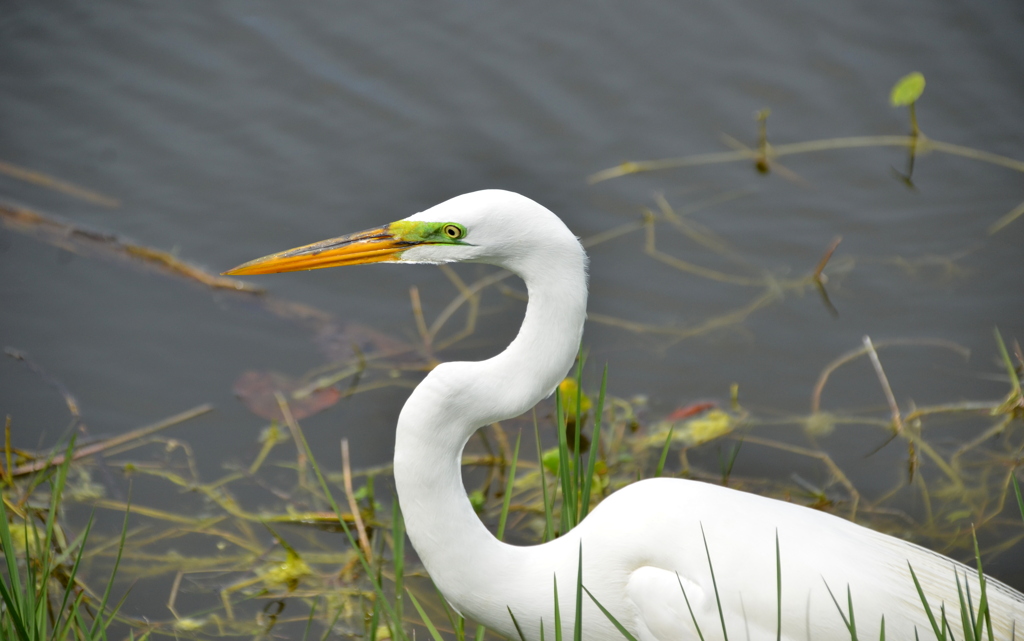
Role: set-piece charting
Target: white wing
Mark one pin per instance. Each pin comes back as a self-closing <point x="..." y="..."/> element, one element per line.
<point x="826" y="561"/>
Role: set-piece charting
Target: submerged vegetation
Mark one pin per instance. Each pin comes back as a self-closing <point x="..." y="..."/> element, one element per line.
<point x="292" y="545"/>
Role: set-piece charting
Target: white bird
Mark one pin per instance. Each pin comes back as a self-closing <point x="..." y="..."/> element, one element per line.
<point x="643" y="547"/>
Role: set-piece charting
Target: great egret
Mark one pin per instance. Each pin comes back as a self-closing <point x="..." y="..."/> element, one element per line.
<point x="643" y="547"/>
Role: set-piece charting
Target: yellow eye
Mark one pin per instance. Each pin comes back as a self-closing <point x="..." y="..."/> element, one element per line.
<point x="454" y="232"/>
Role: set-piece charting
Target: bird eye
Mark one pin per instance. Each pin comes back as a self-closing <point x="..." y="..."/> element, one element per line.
<point x="454" y="232"/>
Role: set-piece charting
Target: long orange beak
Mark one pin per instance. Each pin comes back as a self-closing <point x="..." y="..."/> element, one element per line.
<point x="370" y="246"/>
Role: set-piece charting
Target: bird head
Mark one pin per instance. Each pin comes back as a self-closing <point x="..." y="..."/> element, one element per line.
<point x="492" y="226"/>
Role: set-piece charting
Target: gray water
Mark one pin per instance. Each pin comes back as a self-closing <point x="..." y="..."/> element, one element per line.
<point x="234" y="129"/>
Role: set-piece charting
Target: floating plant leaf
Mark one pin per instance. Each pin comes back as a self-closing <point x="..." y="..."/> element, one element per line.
<point x="907" y="90"/>
<point x="257" y="391"/>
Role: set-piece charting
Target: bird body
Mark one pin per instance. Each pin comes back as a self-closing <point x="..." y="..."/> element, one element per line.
<point x="647" y="550"/>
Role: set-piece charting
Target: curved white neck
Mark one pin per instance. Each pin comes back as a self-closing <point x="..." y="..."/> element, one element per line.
<point x="476" y="572"/>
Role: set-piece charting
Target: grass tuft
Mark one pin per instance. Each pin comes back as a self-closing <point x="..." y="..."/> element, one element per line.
<point x="42" y="599"/>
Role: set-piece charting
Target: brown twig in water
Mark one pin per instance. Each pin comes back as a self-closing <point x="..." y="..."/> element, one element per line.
<point x="95" y="448"/>
<point x="43" y="180"/>
<point x="87" y="242"/>
<point x="174" y="593"/>
<point x="346" y="470"/>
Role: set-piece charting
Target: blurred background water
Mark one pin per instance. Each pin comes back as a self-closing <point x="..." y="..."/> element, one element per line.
<point x="230" y="130"/>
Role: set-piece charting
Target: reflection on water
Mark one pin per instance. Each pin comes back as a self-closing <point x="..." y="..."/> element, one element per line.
<point x="226" y="132"/>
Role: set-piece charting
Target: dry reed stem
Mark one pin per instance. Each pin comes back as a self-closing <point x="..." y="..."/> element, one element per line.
<point x="651" y="250"/>
<point x="64" y="187"/>
<point x="301" y="461"/>
<point x="920" y="144"/>
<point x="472" y="297"/>
<point x="847" y="357"/>
<point x="696" y="232"/>
<point x="417" y="314"/>
<point x="96" y="448"/>
<point x="1014" y="214"/>
<point x="174" y="593"/>
<point x="346" y="469"/>
<point x="897" y="418"/>
<point x="86" y="242"/>
<point x="817" y="275"/>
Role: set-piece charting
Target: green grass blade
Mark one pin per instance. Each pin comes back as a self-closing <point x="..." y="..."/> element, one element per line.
<point x="15" y="610"/>
<point x="1020" y="500"/>
<point x="853" y="620"/>
<point x="73" y="617"/>
<point x="13" y="613"/>
<point x="618" y="626"/>
<point x="549" y="524"/>
<point x="714" y="584"/>
<point x="687" y="599"/>
<point x="726" y="466"/>
<point x="80" y="542"/>
<point x="881" y="633"/>
<point x="558" y="613"/>
<point x="117" y="562"/>
<point x="577" y="459"/>
<point x="374" y="622"/>
<point x="778" y="587"/>
<point x="363" y="561"/>
<point x="595" y="445"/>
<point x="939" y="635"/>
<point x="398" y="550"/>
<point x="455" y="620"/>
<point x="578" y="621"/>
<point x="11" y="590"/>
<point x="966" y="614"/>
<point x="309" y="621"/>
<point x="113" y="612"/>
<point x="56" y="492"/>
<point x="507" y="499"/>
<point x="984" y="615"/>
<point x="846" y="622"/>
<point x="564" y="470"/>
<point x="113" y="572"/>
<point x="519" y="631"/>
<point x="1014" y="380"/>
<point x="481" y="631"/>
<point x="423" y="615"/>
<point x="77" y="620"/>
<point x="664" y="452"/>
